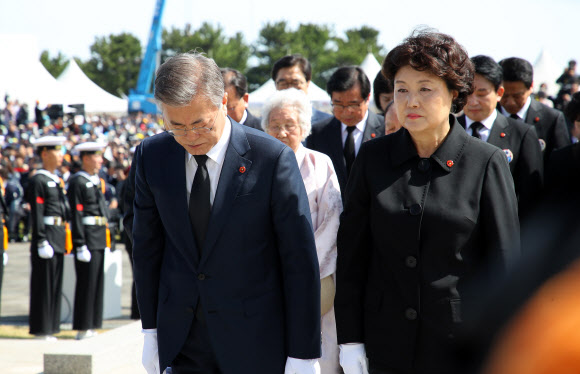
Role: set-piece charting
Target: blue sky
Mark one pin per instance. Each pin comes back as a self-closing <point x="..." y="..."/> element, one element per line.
<point x="499" y="28"/>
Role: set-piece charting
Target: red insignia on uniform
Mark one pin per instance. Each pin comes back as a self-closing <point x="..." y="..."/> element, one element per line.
<point x="39" y="200"/>
<point x="242" y="169"/>
<point x="373" y="135"/>
<point x="80" y="207"/>
<point x="450" y="163"/>
<point x="502" y="135"/>
<point x="537" y="119"/>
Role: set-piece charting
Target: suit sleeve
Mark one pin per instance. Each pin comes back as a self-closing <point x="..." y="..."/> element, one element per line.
<point x="297" y="251"/>
<point x="75" y="199"/>
<point x="354" y="248"/>
<point x="530" y="173"/>
<point x="128" y="198"/>
<point x="499" y="214"/>
<point x="36" y="196"/>
<point x="561" y="133"/>
<point x="148" y="244"/>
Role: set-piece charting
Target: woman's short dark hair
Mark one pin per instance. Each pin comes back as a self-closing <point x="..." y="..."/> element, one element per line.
<point x="572" y="110"/>
<point x="438" y="54"/>
<point x="381" y="85"/>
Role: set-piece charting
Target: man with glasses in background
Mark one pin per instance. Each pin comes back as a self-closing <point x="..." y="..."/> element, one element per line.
<point x="224" y="255"/>
<point x="295" y="71"/>
<point x="341" y="136"/>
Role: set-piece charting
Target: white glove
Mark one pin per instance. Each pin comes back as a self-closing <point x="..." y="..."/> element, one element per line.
<point x="353" y="358"/>
<point x="150" y="358"/>
<point x="298" y="366"/>
<point x="83" y="254"/>
<point x="45" y="250"/>
<point x="5" y="258"/>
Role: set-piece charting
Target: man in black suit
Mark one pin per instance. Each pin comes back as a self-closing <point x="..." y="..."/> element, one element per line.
<point x="236" y="86"/>
<point x="224" y="254"/>
<point x="517" y="139"/>
<point x="341" y="136"/>
<point x="295" y="71"/>
<point x="518" y="81"/>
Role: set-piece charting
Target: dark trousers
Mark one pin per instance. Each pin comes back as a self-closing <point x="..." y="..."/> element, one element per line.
<point x="1" y="276"/>
<point x="196" y="356"/>
<point x="88" y="308"/>
<point x="45" y="293"/>
<point x="134" y="306"/>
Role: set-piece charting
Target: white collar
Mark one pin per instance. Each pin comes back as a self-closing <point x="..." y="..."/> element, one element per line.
<point x="300" y="154"/>
<point x="93" y="178"/>
<point x="218" y="152"/>
<point x="487" y="123"/>
<point x="52" y="176"/>
<point x="244" y="117"/>
<point x="360" y="126"/>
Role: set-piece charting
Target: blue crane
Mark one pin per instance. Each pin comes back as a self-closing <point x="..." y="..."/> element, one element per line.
<point x="141" y="98"/>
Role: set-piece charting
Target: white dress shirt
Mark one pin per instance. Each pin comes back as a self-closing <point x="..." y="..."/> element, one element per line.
<point x="522" y="113"/>
<point x="214" y="163"/>
<point x="487" y="125"/>
<point x="357" y="134"/>
<point x="244" y="117"/>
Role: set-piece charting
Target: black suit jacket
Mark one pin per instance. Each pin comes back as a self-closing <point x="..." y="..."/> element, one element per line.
<point x="257" y="277"/>
<point x="253" y="122"/>
<point x="550" y="127"/>
<point x="326" y="137"/>
<point x="527" y="165"/>
<point x="413" y="231"/>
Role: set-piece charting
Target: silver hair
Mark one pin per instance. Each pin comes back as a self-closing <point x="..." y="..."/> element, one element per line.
<point x="187" y="75"/>
<point x="289" y="98"/>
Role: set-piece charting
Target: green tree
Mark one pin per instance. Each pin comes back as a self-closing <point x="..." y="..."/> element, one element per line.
<point x="115" y="62"/>
<point x="55" y="65"/>
<point x="230" y="52"/>
<point x="357" y="44"/>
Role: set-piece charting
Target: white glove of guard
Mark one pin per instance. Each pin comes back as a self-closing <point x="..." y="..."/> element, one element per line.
<point x="353" y="358"/>
<point x="298" y="366"/>
<point x="83" y="254"/>
<point x="45" y="250"/>
<point x="150" y="358"/>
<point x="5" y="258"/>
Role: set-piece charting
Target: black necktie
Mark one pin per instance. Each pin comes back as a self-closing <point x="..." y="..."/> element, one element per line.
<point x="515" y="116"/>
<point x="349" y="149"/>
<point x="199" y="204"/>
<point x="475" y="127"/>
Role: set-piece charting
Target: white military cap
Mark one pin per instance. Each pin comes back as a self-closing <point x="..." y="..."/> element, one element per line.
<point x="49" y="141"/>
<point x="90" y="147"/>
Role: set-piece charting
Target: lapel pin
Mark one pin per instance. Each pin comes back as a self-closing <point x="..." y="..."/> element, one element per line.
<point x="509" y="155"/>
<point x="502" y="135"/>
<point x="542" y="144"/>
<point x="537" y="119"/>
<point x="373" y="135"/>
<point x="242" y="169"/>
<point x="450" y="163"/>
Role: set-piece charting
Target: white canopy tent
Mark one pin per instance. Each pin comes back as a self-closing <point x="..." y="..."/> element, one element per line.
<point x="82" y="90"/>
<point x="371" y="67"/>
<point x="546" y="71"/>
<point x="317" y="96"/>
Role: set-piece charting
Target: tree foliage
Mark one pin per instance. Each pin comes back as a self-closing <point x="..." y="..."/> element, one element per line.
<point x="55" y="65"/>
<point x="114" y="63"/>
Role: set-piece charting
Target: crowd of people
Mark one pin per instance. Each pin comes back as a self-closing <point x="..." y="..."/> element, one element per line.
<point x="370" y="244"/>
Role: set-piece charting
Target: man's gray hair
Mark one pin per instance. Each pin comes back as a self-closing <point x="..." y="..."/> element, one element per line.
<point x="289" y="98"/>
<point x="186" y="75"/>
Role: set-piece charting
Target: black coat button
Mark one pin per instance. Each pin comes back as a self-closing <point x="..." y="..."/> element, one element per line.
<point x="201" y="276"/>
<point x="411" y="314"/>
<point x="424" y="165"/>
<point x="411" y="261"/>
<point x="415" y="209"/>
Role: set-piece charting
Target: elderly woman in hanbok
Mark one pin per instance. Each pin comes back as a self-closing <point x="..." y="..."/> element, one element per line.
<point x="286" y="116"/>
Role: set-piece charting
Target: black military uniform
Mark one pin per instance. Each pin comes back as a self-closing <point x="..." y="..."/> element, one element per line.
<point x="413" y="232"/>
<point x="89" y="228"/>
<point x="3" y="216"/>
<point x="49" y="210"/>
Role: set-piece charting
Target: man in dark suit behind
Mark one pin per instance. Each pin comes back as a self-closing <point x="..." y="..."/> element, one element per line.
<point x="341" y="136"/>
<point x="550" y="124"/>
<point x="224" y="254"/>
<point x="517" y="139"/>
<point x="236" y="86"/>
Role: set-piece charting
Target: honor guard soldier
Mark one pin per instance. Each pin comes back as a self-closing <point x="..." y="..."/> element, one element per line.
<point x="90" y="238"/>
<point x="4" y="230"/>
<point x="49" y="209"/>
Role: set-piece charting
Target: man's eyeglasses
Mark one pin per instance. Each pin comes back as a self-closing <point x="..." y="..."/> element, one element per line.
<point x="282" y="84"/>
<point x="278" y="129"/>
<point x="197" y="130"/>
<point x="350" y="106"/>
